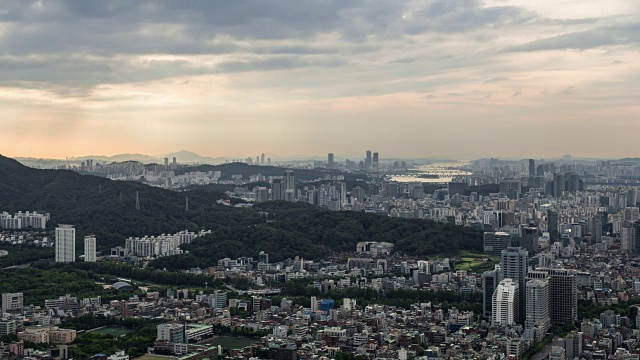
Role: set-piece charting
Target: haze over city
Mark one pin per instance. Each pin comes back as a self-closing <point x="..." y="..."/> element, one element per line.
<point x="462" y="79"/>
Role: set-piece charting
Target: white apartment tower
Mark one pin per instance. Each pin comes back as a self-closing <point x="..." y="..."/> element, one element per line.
<point x="538" y="319"/>
<point x="65" y="243"/>
<point x="90" y="248"/>
<point x="505" y="303"/>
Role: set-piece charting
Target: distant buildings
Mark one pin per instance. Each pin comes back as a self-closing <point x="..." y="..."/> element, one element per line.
<point x="65" y="243"/>
<point x="23" y="220"/>
<point x="162" y="245"/>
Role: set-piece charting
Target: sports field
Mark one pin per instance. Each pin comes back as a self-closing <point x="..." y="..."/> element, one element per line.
<point x="154" y="357"/>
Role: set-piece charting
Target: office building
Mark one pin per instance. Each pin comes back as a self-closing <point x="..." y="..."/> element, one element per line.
<point x="538" y="320"/>
<point x="552" y="225"/>
<point x="505" y="303"/>
<point x="173" y="333"/>
<point x="219" y="300"/>
<point x="514" y="265"/>
<point x="65" y="243"/>
<point x="375" y="163"/>
<point x="532" y="167"/>
<point x="368" y="161"/>
<point x="529" y="238"/>
<point x="11" y="302"/>
<point x="490" y="280"/>
<point x="90" y="248"/>
<point x="563" y="296"/>
<point x="330" y="161"/>
<point x="495" y="242"/>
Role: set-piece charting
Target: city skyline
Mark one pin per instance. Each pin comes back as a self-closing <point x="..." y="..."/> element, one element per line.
<point x="459" y="80"/>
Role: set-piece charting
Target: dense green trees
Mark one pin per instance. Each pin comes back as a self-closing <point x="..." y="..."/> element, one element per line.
<point x="284" y="230"/>
<point x="301" y="230"/>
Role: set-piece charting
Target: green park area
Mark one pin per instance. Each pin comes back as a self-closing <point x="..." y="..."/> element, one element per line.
<point x="115" y="331"/>
<point x="477" y="262"/>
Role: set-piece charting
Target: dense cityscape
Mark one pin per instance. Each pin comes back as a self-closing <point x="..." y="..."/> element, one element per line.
<point x="319" y="180"/>
<point x="552" y="272"/>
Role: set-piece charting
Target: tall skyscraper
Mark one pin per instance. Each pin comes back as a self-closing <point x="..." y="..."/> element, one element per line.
<point x="537" y="321"/>
<point x="563" y="296"/>
<point x="65" y="243"/>
<point x="375" y="164"/>
<point x="505" y="303"/>
<point x="90" y="248"/>
<point x="262" y="159"/>
<point x="330" y="161"/>
<point x="552" y="225"/>
<point x="514" y="263"/>
<point x="532" y="167"/>
<point x="532" y="172"/>
<point x="368" y="161"/>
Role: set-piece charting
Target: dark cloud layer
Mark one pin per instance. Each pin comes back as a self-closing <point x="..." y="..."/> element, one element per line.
<point x="84" y="43"/>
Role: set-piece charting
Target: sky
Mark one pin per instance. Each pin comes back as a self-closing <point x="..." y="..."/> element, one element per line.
<point x="432" y="79"/>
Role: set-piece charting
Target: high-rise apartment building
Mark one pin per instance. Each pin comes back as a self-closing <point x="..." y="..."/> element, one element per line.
<point x="277" y="189"/>
<point x="289" y="180"/>
<point x="90" y="248"/>
<point x="537" y="321"/>
<point x="505" y="303"/>
<point x="514" y="264"/>
<point x="65" y="243"/>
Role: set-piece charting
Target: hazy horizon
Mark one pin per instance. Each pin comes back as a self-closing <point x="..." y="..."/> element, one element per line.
<point x="419" y="79"/>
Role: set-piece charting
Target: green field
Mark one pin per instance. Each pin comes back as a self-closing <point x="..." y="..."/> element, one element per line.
<point x="115" y="331"/>
<point x="154" y="357"/>
<point x="472" y="261"/>
<point x="228" y="342"/>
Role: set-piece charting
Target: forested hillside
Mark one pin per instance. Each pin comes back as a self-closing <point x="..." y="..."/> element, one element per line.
<point x="107" y="209"/>
<point x="302" y="230"/>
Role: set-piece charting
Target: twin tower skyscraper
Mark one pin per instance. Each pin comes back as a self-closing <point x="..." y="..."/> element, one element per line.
<point x="66" y="245"/>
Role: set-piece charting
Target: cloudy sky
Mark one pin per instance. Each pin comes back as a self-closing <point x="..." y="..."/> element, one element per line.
<point x="449" y="78"/>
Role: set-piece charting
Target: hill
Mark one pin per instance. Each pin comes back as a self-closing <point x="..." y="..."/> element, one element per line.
<point x="107" y="208"/>
<point x="185" y="157"/>
<point x="299" y="229"/>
